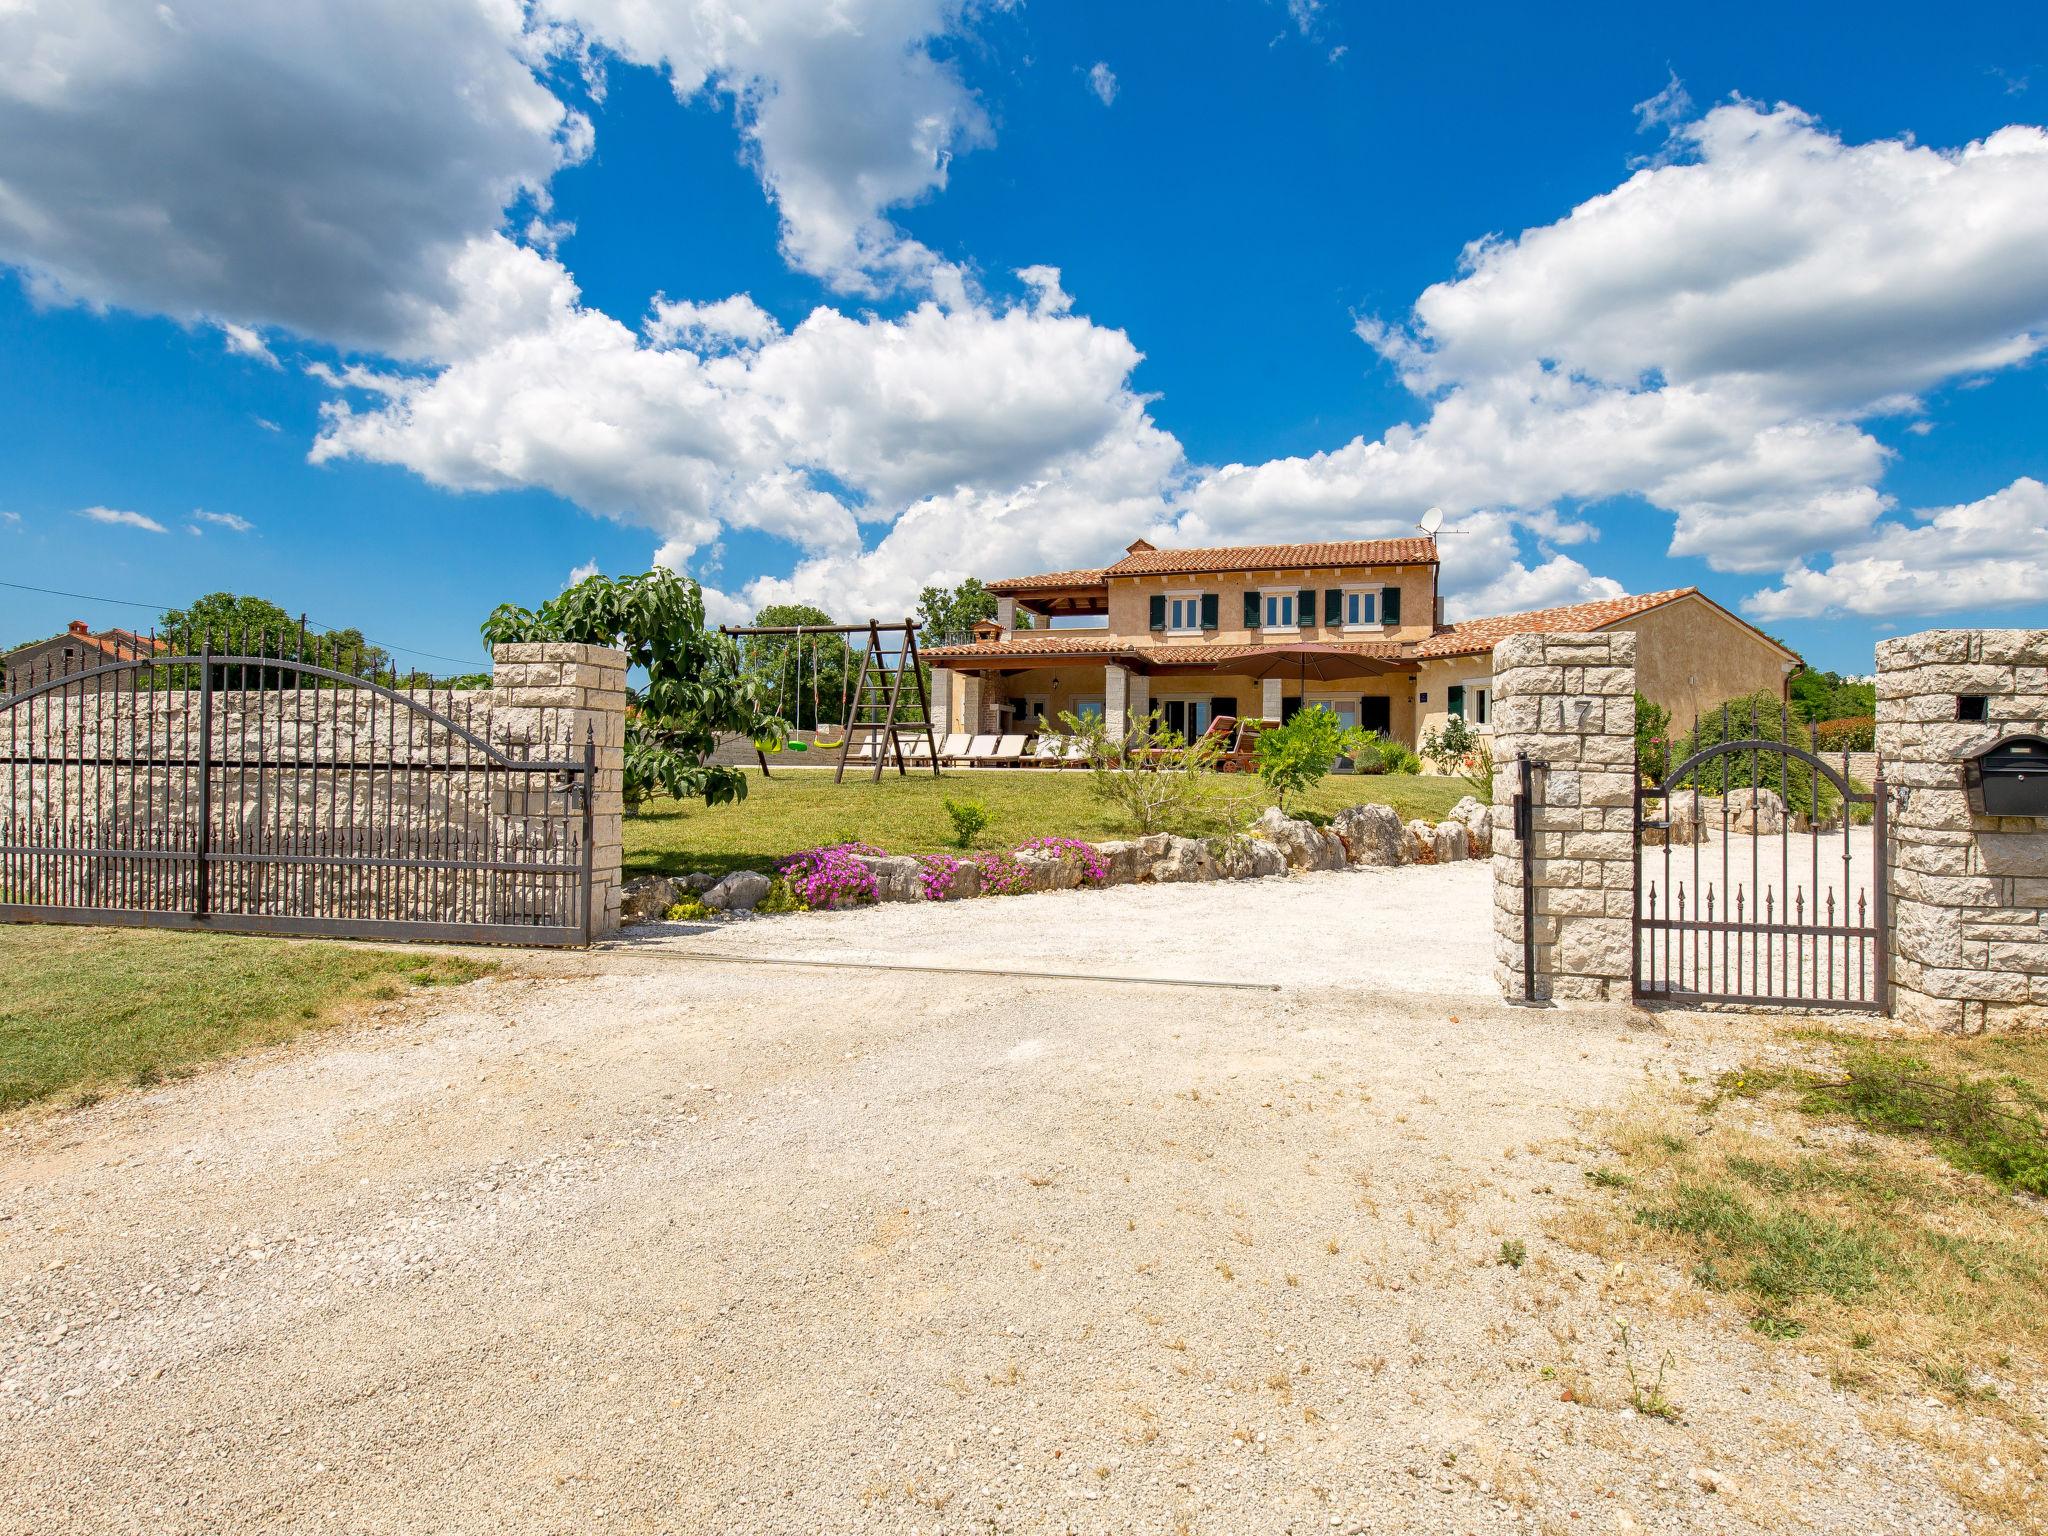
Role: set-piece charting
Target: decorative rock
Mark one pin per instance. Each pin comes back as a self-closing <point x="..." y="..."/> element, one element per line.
<point x="740" y="891"/>
<point x="1186" y="858"/>
<point x="1249" y="858"/>
<point x="1686" y="823"/>
<point x="1045" y="871"/>
<point x="1420" y="844"/>
<point x="698" y="883"/>
<point x="1307" y="846"/>
<point x="1123" y="861"/>
<point x="1372" y="834"/>
<point x="1448" y="842"/>
<point x="1477" y="820"/>
<point x="1756" y="811"/>
<point x="647" y="897"/>
<point x="898" y="877"/>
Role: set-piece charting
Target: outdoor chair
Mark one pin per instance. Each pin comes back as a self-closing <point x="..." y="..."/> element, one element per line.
<point x="952" y="747"/>
<point x="1075" y="755"/>
<point x="1047" y="753"/>
<point x="1008" y="753"/>
<point x="979" y="751"/>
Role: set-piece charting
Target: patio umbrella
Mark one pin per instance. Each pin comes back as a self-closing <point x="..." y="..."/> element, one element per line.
<point x="1311" y="659"/>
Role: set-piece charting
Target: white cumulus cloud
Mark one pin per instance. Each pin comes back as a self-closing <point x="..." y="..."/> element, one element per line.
<point x="1990" y="553"/>
<point x="1102" y="81"/>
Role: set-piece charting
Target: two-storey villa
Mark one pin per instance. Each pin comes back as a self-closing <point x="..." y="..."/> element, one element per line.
<point x="1257" y="631"/>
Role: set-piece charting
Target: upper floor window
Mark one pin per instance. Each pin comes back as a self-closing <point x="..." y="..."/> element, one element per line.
<point x="1184" y="613"/>
<point x="1279" y="610"/>
<point x="1361" y="608"/>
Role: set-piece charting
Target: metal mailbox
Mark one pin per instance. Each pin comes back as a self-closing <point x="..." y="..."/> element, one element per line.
<point x="2009" y="778"/>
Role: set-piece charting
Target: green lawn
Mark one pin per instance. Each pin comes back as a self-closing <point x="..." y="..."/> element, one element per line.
<point x="89" y="1008"/>
<point x="802" y="808"/>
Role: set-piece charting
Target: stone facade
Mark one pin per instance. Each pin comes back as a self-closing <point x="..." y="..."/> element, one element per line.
<point x="1568" y="701"/>
<point x="552" y="692"/>
<point x="1969" y="892"/>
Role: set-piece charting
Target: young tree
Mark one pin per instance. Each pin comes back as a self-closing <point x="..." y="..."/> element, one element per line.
<point x="697" y="686"/>
<point x="227" y="621"/>
<point x="947" y="616"/>
<point x="1152" y="773"/>
<point x="1294" y="757"/>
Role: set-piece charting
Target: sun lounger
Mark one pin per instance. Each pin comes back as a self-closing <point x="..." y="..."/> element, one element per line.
<point x="1075" y="754"/>
<point x="1047" y="753"/>
<point x="953" y="748"/>
<point x="1009" y="751"/>
<point x="979" y="751"/>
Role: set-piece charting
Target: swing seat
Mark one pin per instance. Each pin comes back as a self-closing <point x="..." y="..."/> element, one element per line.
<point x="822" y="744"/>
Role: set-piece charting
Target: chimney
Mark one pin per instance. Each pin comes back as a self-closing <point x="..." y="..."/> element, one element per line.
<point x="1139" y="547"/>
<point x="78" y="627"/>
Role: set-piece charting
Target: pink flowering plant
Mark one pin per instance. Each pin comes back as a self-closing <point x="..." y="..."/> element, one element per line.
<point x="832" y="876"/>
<point x="1094" y="867"/>
<point x="939" y="870"/>
<point x="1000" y="873"/>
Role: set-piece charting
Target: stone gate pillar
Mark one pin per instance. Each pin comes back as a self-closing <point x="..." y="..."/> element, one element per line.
<point x="1570" y="702"/>
<point x="1969" y="893"/>
<point x="544" y="694"/>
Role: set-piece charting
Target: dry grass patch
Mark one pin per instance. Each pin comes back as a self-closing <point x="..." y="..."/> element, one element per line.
<point x="1873" y="1203"/>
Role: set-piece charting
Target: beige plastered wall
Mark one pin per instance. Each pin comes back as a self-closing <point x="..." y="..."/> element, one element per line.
<point x="1692" y="657"/>
<point x="1130" y="598"/>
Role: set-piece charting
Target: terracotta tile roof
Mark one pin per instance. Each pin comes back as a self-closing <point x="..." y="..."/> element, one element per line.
<point x="1086" y="643"/>
<point x="1087" y="578"/>
<point x="1277" y="557"/>
<point x="1111" y="646"/>
<point x="1473" y="635"/>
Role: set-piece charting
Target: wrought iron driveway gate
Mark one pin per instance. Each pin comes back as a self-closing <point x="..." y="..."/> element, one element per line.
<point x="1758" y="879"/>
<point x="270" y="793"/>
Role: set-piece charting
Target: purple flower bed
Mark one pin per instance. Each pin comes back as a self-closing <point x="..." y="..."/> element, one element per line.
<point x="1094" y="867"/>
<point x="939" y="870"/>
<point x="1000" y="873"/>
<point x="832" y="876"/>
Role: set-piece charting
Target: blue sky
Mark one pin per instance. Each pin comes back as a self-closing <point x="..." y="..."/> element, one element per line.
<point x="956" y="291"/>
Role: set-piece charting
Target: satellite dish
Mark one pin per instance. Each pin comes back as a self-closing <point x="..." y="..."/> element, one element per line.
<point x="1432" y="520"/>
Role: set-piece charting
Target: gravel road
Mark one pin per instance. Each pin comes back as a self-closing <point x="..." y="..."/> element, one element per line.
<point x="643" y="1243"/>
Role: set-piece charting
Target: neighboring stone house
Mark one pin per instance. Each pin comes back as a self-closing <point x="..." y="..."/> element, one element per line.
<point x="78" y="649"/>
<point x="1257" y="631"/>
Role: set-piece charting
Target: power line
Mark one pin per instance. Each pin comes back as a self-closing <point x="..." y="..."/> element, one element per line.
<point x="129" y="602"/>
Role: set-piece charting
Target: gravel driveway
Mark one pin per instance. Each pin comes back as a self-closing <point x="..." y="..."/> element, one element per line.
<point x="646" y="1243"/>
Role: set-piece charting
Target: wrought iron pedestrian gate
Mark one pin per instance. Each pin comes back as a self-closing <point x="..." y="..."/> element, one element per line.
<point x="255" y="791"/>
<point x="1760" y="874"/>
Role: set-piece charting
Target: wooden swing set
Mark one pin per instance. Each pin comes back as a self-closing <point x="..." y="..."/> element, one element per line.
<point x="875" y="713"/>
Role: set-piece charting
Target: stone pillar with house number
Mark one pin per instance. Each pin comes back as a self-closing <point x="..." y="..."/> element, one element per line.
<point x="1568" y="702"/>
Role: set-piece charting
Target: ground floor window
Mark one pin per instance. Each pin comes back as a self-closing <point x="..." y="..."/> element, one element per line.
<point x="1187" y="717"/>
<point x="1088" y="709"/>
<point x="1478" y="700"/>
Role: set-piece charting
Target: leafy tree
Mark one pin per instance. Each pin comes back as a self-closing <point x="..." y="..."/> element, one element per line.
<point x="1294" y="757"/>
<point x="697" y="685"/>
<point x="806" y="679"/>
<point x="227" y="621"/>
<point x="1817" y="696"/>
<point x="947" y="616"/>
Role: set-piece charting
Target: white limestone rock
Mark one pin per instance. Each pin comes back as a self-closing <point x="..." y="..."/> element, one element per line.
<point x="1372" y="834"/>
<point x="740" y="891"/>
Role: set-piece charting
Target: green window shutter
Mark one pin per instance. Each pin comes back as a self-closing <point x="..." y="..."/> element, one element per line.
<point x="1390" y="606"/>
<point x="1251" y="610"/>
<point x="1212" y="611"/>
<point x="1454" y="700"/>
<point x="1333" y="605"/>
<point x="1305" y="607"/>
<point x="1159" y="612"/>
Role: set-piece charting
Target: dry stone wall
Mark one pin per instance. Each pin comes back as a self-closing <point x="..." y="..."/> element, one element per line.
<point x="1969" y="892"/>
<point x="1568" y="701"/>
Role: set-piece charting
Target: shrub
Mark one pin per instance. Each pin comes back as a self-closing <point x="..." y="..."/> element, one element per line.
<point x="1853" y="733"/>
<point x="832" y="876"/>
<point x="1653" y="738"/>
<point x="1478" y="772"/>
<point x="1400" y="758"/>
<point x="1451" y="745"/>
<point x="1294" y="757"/>
<point x="690" y="910"/>
<point x="780" y="898"/>
<point x="1153" y="775"/>
<point x="970" y="820"/>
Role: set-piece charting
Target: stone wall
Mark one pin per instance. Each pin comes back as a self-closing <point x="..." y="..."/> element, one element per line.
<point x="1569" y="702"/>
<point x="1969" y="893"/>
